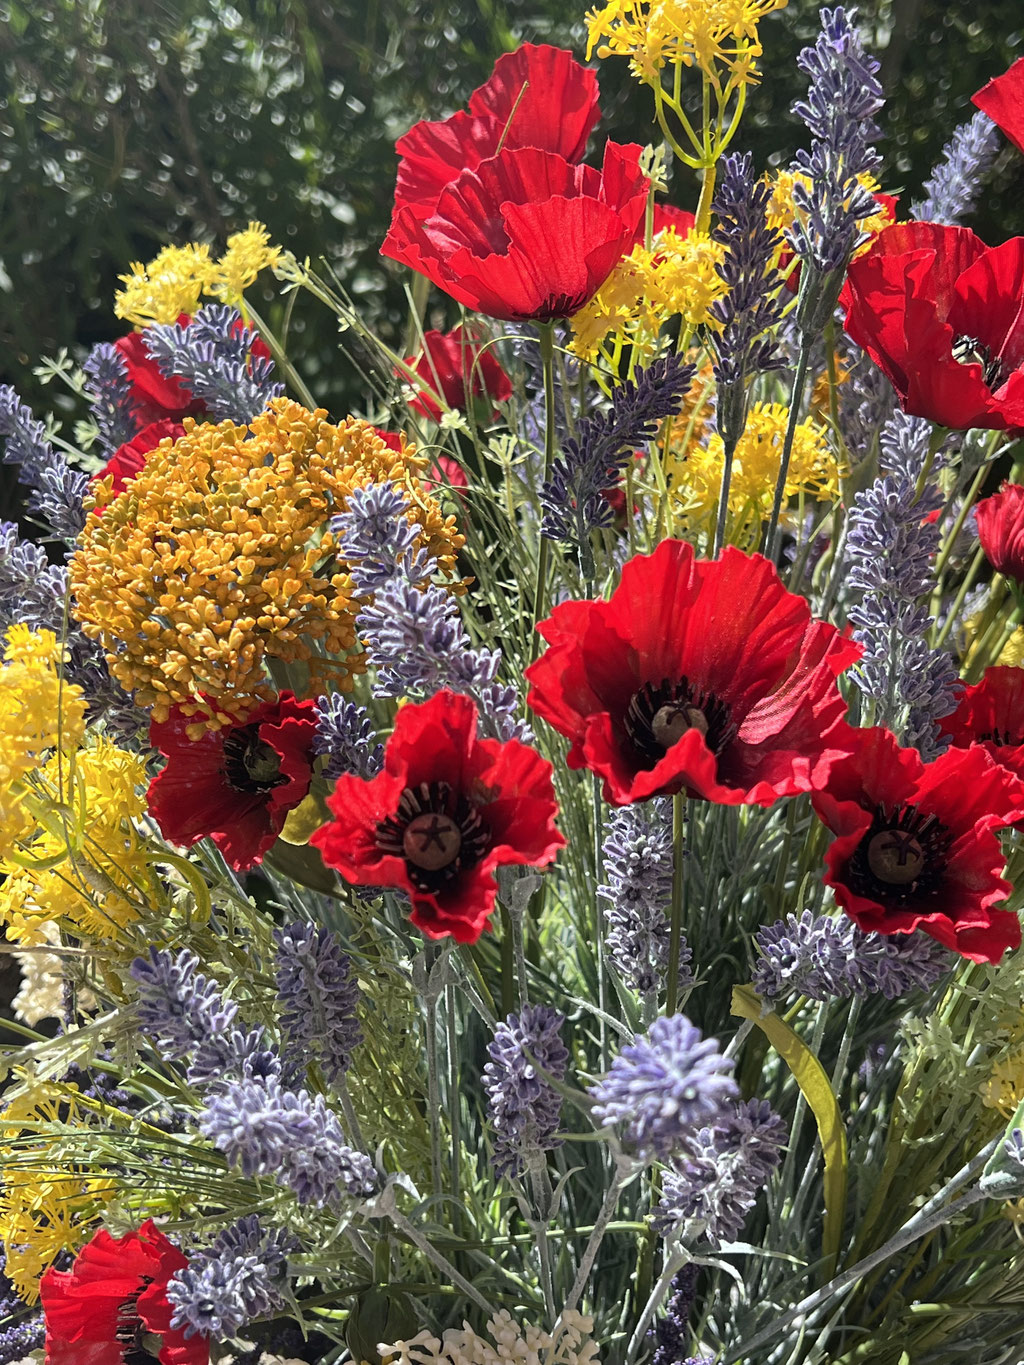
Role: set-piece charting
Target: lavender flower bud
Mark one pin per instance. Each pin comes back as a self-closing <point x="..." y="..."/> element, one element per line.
<point x="378" y="540"/>
<point x="239" y="1278"/>
<point x="57" y="490"/>
<point x="953" y="188"/>
<point x="291" y="1135"/>
<point x="111" y="405"/>
<point x="318" y="999"/>
<point x="712" y="1186"/>
<point x="638" y="861"/>
<point x="664" y="1085"/>
<point x="522" y="1107"/>
<point x="213" y="354"/>
<point x="346" y="734"/>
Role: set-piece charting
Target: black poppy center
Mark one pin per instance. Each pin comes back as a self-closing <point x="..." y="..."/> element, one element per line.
<point x="1004" y="738"/>
<point x="132" y="1337"/>
<point x="250" y="764"/>
<point x="438" y="833"/>
<point x="970" y="351"/>
<point x="557" y="306"/>
<point x="903" y="854"/>
<point x="659" y="714"/>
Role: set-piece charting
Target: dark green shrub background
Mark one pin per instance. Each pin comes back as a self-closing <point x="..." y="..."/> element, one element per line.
<point x="125" y="125"/>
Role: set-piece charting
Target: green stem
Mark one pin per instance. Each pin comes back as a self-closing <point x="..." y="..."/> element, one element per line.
<point x="795" y="404"/>
<point x="547" y="357"/>
<point x="676" y="920"/>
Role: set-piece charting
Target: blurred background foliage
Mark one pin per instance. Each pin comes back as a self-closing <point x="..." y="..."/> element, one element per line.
<point x="127" y="124"/>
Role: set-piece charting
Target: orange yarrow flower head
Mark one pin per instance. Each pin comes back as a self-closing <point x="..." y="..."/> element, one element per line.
<point x="216" y="558"/>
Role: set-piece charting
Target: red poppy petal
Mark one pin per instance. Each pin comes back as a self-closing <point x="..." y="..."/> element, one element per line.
<point x="540" y="96"/>
<point x="988" y="297"/>
<point x="1003" y="100"/>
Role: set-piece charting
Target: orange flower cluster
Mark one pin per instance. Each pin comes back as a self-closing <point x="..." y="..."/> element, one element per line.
<point x="216" y="559"/>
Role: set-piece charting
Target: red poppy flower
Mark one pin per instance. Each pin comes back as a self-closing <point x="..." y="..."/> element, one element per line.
<point x="940" y="314"/>
<point x="1001" y="530"/>
<point x="459" y="368"/>
<point x="128" y="459"/>
<point x="445" y="812"/>
<point x="537" y="96"/>
<point x="526" y="234"/>
<point x="991" y="713"/>
<point x="700" y="676"/>
<point x="916" y="845"/>
<point x="1003" y="100"/>
<point x="115" y="1295"/>
<point x="236" y="785"/>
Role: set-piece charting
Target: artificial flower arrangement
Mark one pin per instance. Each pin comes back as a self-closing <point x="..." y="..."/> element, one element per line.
<point x="531" y="874"/>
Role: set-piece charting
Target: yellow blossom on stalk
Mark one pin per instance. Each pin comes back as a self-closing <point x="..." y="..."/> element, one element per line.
<point x="709" y="34"/>
<point x="216" y="559"/>
<point x="38" y="711"/>
<point x="248" y="253"/>
<point x="695" y="475"/>
<point x="676" y="278"/>
<point x="175" y="281"/>
<point x="46" y="1206"/>
<point x="85" y="864"/>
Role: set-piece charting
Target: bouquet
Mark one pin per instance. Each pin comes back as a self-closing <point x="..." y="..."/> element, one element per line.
<point x="531" y="873"/>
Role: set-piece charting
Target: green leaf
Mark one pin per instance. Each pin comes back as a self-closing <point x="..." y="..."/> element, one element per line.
<point x="817" y="1090"/>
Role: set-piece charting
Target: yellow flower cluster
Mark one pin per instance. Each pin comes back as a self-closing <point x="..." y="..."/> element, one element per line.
<point x="215" y="560"/>
<point x="710" y="34"/>
<point x="178" y="276"/>
<point x="695" y="472"/>
<point x="85" y="864"/>
<point x="38" y="712"/>
<point x="46" y="1206"/>
<point x="677" y="277"/>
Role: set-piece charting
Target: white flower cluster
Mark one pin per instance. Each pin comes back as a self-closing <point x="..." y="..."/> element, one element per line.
<point x="514" y="1345"/>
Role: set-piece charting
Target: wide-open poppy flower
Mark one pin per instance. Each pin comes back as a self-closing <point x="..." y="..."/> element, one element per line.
<point x="916" y="846"/>
<point x="445" y="812"/>
<point x="701" y="676"/>
<point x="236" y="785"/>
<point x="940" y="313"/>
<point x="991" y="713"/>
<point x="101" y="1311"/>
<point x="538" y="96"/>
<point x="1001" y="530"/>
<point x="1003" y="100"/>
<point x="526" y="234"/>
<point x="458" y="368"/>
<point x="129" y="458"/>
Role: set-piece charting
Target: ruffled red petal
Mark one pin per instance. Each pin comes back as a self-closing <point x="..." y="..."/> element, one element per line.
<point x="730" y="630"/>
<point x="971" y="796"/>
<point x="540" y="96"/>
<point x="991" y="713"/>
<point x="192" y="799"/>
<point x="508" y="785"/>
<point x="1003" y="100"/>
<point x="459" y="368"/>
<point x="1000" y="521"/>
<point x="81" y="1305"/>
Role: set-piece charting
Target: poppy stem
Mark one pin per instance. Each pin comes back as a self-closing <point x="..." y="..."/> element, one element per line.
<point x="547" y="359"/>
<point x="795" y="404"/>
<point x="676" y="920"/>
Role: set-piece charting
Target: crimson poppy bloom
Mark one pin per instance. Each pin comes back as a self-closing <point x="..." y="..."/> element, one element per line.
<point x="916" y="846"/>
<point x="236" y="785"/>
<point x="538" y="96"/>
<point x="526" y="234"/>
<point x="939" y="312"/>
<point x="701" y="676"/>
<point x="445" y="812"/>
<point x="1003" y="100"/>
<point x="128" y="459"/>
<point x="458" y="368"/>
<point x="101" y="1311"/>
<point x="1001" y="530"/>
<point x="991" y="713"/>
